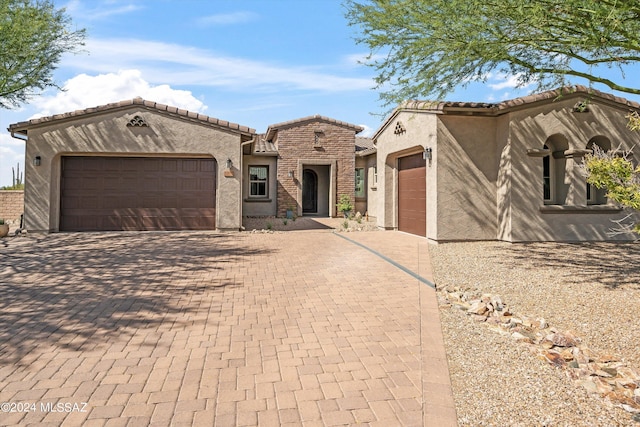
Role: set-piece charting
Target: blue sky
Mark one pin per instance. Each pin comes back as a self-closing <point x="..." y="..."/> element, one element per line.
<point x="252" y="62"/>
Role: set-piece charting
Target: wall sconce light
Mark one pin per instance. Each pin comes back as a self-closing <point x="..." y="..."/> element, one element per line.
<point x="290" y="174"/>
<point x="427" y="153"/>
<point x="229" y="163"/>
<point x="37" y="161"/>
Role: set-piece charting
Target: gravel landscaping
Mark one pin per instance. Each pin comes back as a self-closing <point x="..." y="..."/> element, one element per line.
<point x="591" y="291"/>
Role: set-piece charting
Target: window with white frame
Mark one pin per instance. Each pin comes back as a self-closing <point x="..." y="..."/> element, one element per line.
<point x="258" y="181"/>
<point x="375" y="176"/>
<point x="360" y="182"/>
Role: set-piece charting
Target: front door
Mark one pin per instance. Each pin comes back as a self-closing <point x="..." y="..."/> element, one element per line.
<point x="309" y="191"/>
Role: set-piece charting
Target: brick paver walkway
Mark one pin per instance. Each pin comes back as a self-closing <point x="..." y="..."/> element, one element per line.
<point x="206" y="329"/>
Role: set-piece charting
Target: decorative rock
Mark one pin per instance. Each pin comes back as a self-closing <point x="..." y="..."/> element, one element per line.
<point x="563" y="340"/>
<point x="477" y="307"/>
<point x="520" y="337"/>
<point x="603" y="374"/>
<point x="554" y="358"/>
<point x="588" y="385"/>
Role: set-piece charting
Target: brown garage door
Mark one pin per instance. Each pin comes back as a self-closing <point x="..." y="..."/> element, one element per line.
<point x="412" y="195"/>
<point x="133" y="193"/>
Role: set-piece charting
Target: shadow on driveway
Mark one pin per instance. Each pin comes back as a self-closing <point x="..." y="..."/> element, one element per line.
<point x="75" y="291"/>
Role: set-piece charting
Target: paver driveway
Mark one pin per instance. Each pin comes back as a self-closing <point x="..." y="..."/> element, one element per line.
<point x="300" y="328"/>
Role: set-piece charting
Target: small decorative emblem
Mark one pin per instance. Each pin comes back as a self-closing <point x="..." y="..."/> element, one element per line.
<point x="400" y="129"/>
<point x="137" y="121"/>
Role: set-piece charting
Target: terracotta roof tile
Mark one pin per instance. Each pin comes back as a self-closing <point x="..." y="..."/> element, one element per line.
<point x="264" y="147"/>
<point x="495" y="109"/>
<point x="22" y="127"/>
<point x="365" y="146"/>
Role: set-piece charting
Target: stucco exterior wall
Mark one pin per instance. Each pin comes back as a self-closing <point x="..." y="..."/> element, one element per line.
<point x="572" y="219"/>
<point x="256" y="206"/>
<point x="297" y="148"/>
<point x="467" y="176"/>
<point x="371" y="165"/>
<point x="420" y="132"/>
<point x="108" y="134"/>
<point x="11" y="205"/>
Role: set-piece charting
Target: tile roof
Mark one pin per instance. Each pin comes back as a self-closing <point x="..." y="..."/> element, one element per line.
<point x="496" y="109"/>
<point x="263" y="147"/>
<point x="273" y="128"/>
<point x="365" y="146"/>
<point x="22" y="127"/>
<point x="500" y="107"/>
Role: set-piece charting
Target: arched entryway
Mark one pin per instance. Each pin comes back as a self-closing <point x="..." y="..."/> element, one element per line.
<point x="309" y="192"/>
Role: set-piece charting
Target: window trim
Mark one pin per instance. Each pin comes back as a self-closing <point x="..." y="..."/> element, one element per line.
<point x="251" y="181"/>
<point x="363" y="187"/>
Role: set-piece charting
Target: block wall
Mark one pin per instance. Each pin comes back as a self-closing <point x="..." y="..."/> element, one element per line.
<point x="11" y="205"/>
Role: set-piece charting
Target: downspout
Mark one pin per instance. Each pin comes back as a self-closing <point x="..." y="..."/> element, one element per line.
<point x="240" y="200"/>
<point x="21" y="138"/>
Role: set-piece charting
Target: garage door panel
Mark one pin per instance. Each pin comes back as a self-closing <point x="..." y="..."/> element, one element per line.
<point x="106" y="193"/>
<point x="412" y="188"/>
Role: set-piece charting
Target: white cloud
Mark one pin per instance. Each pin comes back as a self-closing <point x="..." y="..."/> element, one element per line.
<point x="184" y="65"/>
<point x="508" y="81"/>
<point x="367" y="132"/>
<point x="99" y="10"/>
<point x="84" y="91"/>
<point x="227" y="18"/>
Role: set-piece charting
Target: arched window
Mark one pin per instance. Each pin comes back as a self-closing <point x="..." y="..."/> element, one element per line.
<point x="597" y="196"/>
<point x="555" y="189"/>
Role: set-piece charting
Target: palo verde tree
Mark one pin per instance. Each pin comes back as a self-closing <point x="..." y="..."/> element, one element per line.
<point x="33" y="36"/>
<point x="426" y="48"/>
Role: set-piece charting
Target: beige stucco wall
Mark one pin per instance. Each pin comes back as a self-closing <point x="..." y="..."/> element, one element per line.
<point x="107" y="134"/>
<point x="467" y="175"/>
<point x="420" y="132"/>
<point x="483" y="185"/>
<point x="373" y="194"/>
<point x="530" y="128"/>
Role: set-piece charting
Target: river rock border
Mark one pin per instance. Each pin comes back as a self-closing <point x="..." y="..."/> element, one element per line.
<point x="605" y="375"/>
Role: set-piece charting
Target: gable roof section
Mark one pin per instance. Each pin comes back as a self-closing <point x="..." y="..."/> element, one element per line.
<point x="23" y="127"/>
<point x="364" y="146"/>
<point x="261" y="147"/>
<point x="273" y="129"/>
<point x="496" y="109"/>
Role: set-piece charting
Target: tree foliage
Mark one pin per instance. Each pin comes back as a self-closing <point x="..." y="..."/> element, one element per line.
<point x="34" y="36"/>
<point x="617" y="174"/>
<point x="426" y="48"/>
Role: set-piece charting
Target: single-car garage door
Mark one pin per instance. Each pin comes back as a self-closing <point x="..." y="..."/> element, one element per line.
<point x="135" y="193"/>
<point x="412" y="195"/>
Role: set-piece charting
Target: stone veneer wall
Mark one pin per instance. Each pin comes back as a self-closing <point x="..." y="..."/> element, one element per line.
<point x="296" y="146"/>
<point x="11" y="205"/>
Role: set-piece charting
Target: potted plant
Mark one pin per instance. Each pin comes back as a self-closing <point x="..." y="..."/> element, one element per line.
<point x="4" y="228"/>
<point x="344" y="205"/>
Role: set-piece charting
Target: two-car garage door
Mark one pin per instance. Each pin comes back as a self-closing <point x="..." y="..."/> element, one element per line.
<point x="412" y="195"/>
<point x="136" y="193"/>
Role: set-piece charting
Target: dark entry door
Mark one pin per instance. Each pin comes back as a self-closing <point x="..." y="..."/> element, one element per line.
<point x="309" y="191"/>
